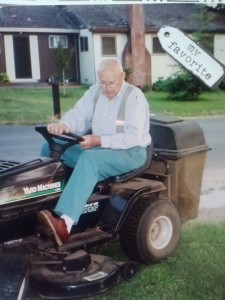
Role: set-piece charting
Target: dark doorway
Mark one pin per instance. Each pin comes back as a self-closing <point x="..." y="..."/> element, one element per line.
<point x="22" y="56"/>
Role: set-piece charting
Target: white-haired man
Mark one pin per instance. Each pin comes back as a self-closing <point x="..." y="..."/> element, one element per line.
<point x="117" y="114"/>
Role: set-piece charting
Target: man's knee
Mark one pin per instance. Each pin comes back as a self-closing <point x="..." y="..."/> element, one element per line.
<point x="91" y="156"/>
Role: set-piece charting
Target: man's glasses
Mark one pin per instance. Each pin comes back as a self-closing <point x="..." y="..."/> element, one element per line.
<point x="110" y="84"/>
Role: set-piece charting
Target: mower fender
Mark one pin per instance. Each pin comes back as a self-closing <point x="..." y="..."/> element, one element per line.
<point x="154" y="188"/>
<point x="123" y="198"/>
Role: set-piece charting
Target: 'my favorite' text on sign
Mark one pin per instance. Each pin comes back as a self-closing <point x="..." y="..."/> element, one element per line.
<point x="191" y="56"/>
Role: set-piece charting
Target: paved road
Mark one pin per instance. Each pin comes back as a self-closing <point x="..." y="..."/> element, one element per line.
<point x="22" y="143"/>
<point x="213" y="185"/>
<point x="19" y="143"/>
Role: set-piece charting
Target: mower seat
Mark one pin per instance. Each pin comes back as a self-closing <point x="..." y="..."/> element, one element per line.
<point x="127" y="176"/>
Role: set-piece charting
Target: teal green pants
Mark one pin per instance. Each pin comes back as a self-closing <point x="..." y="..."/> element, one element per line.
<point x="91" y="166"/>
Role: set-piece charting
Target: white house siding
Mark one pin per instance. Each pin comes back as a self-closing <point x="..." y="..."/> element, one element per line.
<point x="9" y="57"/>
<point x="163" y="65"/>
<point x="90" y="72"/>
<point x="35" y="61"/>
<point x="87" y="65"/>
<point x="219" y="47"/>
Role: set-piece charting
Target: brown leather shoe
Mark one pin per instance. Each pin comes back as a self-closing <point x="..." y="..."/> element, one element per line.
<point x="57" y="225"/>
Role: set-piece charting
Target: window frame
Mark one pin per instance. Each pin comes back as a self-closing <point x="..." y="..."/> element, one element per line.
<point x="52" y="45"/>
<point x="113" y="53"/>
<point x="84" y="47"/>
<point x="159" y="49"/>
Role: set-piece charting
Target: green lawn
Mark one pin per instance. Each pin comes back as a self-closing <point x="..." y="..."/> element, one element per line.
<point x="195" y="272"/>
<point x="33" y="106"/>
<point x="208" y="104"/>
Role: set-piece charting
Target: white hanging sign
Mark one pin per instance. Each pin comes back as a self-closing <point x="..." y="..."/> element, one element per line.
<point x="191" y="56"/>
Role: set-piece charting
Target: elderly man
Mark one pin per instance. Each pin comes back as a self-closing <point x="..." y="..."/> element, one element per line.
<point x="117" y="115"/>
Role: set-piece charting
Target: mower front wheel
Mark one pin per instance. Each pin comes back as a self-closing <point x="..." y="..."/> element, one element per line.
<point x="129" y="270"/>
<point x="152" y="231"/>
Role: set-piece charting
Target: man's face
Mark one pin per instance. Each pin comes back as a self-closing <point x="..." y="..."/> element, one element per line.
<point x="111" y="82"/>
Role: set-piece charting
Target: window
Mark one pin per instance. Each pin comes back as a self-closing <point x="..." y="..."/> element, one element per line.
<point x="157" y="48"/>
<point x="55" y="40"/>
<point x="83" y="43"/>
<point x="108" y="45"/>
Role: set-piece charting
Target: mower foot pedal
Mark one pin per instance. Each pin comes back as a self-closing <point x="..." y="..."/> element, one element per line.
<point x="44" y="231"/>
<point x="88" y="237"/>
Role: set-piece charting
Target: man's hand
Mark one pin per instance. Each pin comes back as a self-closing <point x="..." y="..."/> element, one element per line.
<point x="90" y="141"/>
<point x="58" y="128"/>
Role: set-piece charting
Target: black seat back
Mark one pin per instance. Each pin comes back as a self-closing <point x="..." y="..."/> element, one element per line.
<point x="136" y="172"/>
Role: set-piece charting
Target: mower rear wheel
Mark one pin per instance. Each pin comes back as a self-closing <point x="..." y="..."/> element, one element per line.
<point x="14" y="274"/>
<point x="152" y="231"/>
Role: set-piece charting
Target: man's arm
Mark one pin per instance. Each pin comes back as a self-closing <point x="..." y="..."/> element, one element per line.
<point x="90" y="141"/>
<point x="78" y="119"/>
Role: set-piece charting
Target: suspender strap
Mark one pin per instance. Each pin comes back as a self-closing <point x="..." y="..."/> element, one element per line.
<point x="120" y="122"/>
<point x="97" y="95"/>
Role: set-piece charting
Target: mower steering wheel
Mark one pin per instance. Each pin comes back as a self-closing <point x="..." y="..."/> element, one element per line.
<point x="57" y="148"/>
<point x="68" y="137"/>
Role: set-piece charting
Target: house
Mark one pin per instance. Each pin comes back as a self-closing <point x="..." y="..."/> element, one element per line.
<point x="125" y="32"/>
<point x="28" y="34"/>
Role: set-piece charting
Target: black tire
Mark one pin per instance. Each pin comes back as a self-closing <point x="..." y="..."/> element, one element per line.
<point x="152" y="231"/>
<point x="14" y="274"/>
<point x="129" y="270"/>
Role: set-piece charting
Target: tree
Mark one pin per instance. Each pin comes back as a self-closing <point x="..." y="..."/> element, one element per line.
<point x="220" y="7"/>
<point x="203" y="18"/>
<point x="62" y="60"/>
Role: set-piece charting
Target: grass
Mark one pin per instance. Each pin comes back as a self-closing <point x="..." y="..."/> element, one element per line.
<point x="20" y="106"/>
<point x="32" y="106"/>
<point x="195" y="272"/>
<point x="208" y="104"/>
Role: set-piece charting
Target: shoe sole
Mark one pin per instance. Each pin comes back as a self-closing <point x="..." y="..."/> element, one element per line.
<point x="44" y="220"/>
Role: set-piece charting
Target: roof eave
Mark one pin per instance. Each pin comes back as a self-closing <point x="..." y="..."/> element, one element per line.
<point x="37" y="30"/>
<point x="109" y="29"/>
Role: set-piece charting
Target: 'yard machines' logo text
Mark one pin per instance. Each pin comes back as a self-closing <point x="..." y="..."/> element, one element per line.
<point x="42" y="187"/>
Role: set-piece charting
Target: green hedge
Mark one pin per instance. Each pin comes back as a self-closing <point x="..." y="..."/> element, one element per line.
<point x="182" y="86"/>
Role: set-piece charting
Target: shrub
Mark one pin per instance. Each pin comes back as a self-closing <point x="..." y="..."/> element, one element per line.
<point x="127" y="72"/>
<point x="4" y="78"/>
<point x="146" y="88"/>
<point x="160" y="85"/>
<point x="182" y="86"/>
<point x="222" y="85"/>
